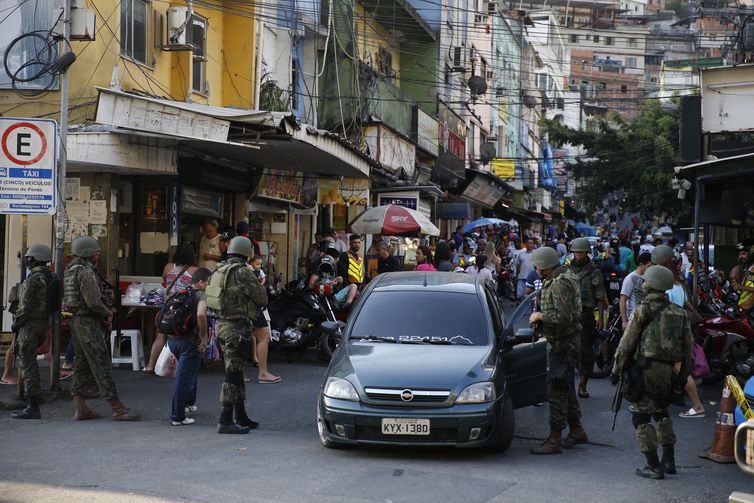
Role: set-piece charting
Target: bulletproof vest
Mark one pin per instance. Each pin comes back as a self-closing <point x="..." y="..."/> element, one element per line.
<point x="235" y="304"/>
<point x="71" y="291"/>
<point x="586" y="278"/>
<point x="38" y="306"/>
<point x="662" y="337"/>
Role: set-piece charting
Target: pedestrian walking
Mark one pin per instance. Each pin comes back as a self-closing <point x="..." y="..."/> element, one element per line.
<point x="592" y="291"/>
<point x="559" y="316"/>
<point x="90" y="324"/>
<point x="523" y="263"/>
<point x="659" y="336"/>
<point x="236" y="295"/>
<point x="187" y="347"/>
<point x="38" y="298"/>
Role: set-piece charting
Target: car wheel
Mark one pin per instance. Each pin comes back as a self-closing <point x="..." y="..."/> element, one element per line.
<point x="503" y="434"/>
<point x="322" y="431"/>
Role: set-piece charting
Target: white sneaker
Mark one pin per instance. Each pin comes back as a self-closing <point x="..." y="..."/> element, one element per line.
<point x="186" y="421"/>
<point x="191" y="408"/>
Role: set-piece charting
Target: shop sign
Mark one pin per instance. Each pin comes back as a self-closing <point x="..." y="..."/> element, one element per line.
<point x="425" y="131"/>
<point x="390" y="150"/>
<point x="350" y="191"/>
<point x="503" y="168"/>
<point x="201" y="202"/>
<point x="281" y="185"/>
<point x="483" y="191"/>
<point x="28" y="166"/>
<point x="175" y="214"/>
<point x="406" y="199"/>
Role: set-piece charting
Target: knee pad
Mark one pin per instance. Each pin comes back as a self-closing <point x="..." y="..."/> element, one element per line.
<point x="638" y="419"/>
<point x="234" y="377"/>
<point x="659" y="416"/>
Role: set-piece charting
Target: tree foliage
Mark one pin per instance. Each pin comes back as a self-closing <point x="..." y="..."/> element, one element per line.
<point x="632" y="160"/>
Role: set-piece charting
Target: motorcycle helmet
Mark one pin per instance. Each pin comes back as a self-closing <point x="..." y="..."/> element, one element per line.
<point x="327" y="265"/>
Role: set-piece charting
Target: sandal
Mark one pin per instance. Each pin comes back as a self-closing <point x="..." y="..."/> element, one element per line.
<point x="692" y="412"/>
<point x="269" y="381"/>
<point x="10" y="381"/>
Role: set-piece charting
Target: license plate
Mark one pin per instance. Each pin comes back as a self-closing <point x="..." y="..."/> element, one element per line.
<point x="405" y="426"/>
<point x="614" y="285"/>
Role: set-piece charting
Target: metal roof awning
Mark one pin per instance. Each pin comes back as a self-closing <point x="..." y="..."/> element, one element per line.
<point x="727" y="167"/>
<point x="260" y="139"/>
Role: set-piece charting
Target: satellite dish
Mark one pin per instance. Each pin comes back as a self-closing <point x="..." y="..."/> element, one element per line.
<point x="477" y="85"/>
<point x="487" y="152"/>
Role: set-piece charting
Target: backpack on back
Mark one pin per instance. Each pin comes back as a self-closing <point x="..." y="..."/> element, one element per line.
<point x="177" y="317"/>
<point x="216" y="284"/>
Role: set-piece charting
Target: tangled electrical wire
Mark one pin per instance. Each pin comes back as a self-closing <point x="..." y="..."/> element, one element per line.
<point x="43" y="64"/>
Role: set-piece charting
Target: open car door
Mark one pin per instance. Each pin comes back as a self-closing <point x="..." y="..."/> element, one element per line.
<point x="525" y="360"/>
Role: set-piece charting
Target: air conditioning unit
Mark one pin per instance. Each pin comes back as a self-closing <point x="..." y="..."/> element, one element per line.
<point x="492" y="8"/>
<point x="178" y="21"/>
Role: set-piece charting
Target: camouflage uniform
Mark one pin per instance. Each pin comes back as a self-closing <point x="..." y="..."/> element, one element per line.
<point x="592" y="289"/>
<point x="561" y="311"/>
<point x="83" y="296"/>
<point x="33" y="321"/>
<point x="243" y="296"/>
<point x="665" y="340"/>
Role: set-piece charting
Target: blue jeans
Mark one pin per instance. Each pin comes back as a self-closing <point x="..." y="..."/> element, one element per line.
<point x="186" y="373"/>
<point x="520" y="289"/>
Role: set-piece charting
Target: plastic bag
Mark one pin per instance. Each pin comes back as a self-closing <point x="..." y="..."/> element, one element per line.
<point x="701" y="367"/>
<point x="166" y="363"/>
<point x="213" y="350"/>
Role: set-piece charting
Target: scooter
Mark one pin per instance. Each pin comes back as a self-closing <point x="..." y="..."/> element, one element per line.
<point x="295" y="317"/>
<point x="325" y="290"/>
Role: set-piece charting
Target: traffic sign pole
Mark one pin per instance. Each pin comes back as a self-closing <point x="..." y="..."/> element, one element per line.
<point x="60" y="216"/>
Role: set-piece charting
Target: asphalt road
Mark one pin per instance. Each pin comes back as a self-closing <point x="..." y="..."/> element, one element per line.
<point x="57" y="459"/>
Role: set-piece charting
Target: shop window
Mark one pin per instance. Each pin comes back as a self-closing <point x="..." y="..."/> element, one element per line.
<point x="134" y="30"/>
<point x="198" y="34"/>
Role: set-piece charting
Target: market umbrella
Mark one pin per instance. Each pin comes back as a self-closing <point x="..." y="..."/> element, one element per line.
<point x="482" y="222"/>
<point x="393" y="220"/>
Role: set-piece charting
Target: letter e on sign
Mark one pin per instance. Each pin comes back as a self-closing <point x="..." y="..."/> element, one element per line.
<point x="24" y="143"/>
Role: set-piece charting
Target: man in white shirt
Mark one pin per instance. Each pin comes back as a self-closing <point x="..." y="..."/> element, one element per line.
<point x="209" y="247"/>
<point x="686" y="257"/>
<point x="632" y="291"/>
<point x="339" y="244"/>
<point x="647" y="247"/>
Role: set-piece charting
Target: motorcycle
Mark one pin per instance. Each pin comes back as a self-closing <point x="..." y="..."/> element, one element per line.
<point x="506" y="288"/>
<point x="727" y="336"/>
<point x="607" y="340"/>
<point x="295" y="317"/>
<point x="325" y="290"/>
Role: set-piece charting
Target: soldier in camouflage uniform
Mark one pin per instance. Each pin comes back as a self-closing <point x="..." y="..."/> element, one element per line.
<point x="658" y="336"/>
<point x="31" y="323"/>
<point x="89" y="325"/>
<point x="241" y="297"/>
<point x="592" y="290"/>
<point x="560" y="317"/>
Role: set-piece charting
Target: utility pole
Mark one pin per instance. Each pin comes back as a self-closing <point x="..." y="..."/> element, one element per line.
<point x="60" y="219"/>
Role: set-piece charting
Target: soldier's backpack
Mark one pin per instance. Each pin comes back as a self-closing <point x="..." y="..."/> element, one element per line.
<point x="218" y="280"/>
<point x="177" y="317"/>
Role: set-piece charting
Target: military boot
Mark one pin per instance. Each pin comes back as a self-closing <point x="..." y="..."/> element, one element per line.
<point x="668" y="459"/>
<point x="226" y="424"/>
<point x="242" y="419"/>
<point x="121" y="413"/>
<point x="83" y="412"/>
<point x="550" y="446"/>
<point x="31" y="411"/>
<point x="576" y="435"/>
<point x="653" y="470"/>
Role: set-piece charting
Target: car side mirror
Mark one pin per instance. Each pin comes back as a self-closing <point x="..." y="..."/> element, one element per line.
<point x="523" y="335"/>
<point x="331" y="327"/>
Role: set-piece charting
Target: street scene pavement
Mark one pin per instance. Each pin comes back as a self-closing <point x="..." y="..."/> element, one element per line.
<point x="58" y="459"/>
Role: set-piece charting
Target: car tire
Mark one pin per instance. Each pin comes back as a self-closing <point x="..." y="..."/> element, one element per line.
<point x="322" y="431"/>
<point x="503" y="433"/>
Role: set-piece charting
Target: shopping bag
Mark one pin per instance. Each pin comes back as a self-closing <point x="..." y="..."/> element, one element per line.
<point x="701" y="366"/>
<point x="213" y="348"/>
<point x="166" y="363"/>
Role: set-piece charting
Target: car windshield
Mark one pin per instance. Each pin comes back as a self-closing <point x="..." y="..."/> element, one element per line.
<point x="422" y="317"/>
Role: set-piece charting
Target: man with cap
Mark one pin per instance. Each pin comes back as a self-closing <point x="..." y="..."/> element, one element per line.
<point x="239" y="296"/>
<point x="351" y="264"/>
<point x="737" y="273"/>
<point x="89" y="324"/>
<point x="592" y="291"/>
<point x="225" y="236"/>
<point x="559" y="317"/>
<point x="242" y="229"/>
<point x="659" y="334"/>
<point x="31" y="322"/>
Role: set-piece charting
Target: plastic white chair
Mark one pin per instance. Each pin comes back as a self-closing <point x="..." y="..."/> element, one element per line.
<point x="137" y="349"/>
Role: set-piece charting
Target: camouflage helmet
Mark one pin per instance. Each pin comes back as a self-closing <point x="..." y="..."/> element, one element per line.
<point x="40" y="253"/>
<point x="545" y="258"/>
<point x="660" y="253"/>
<point x="580" y="245"/>
<point x="85" y="246"/>
<point x="240" y="245"/>
<point x="659" y="278"/>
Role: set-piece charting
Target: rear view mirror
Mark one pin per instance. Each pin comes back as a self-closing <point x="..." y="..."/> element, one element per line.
<point x="331" y="327"/>
<point x="524" y="335"/>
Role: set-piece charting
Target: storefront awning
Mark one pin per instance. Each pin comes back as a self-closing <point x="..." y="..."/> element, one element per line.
<point x="261" y="139"/>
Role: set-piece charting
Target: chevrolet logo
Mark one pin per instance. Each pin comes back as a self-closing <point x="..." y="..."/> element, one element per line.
<point x="407" y="395"/>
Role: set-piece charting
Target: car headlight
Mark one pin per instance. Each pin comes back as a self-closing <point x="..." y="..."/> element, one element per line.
<point x="336" y="387"/>
<point x="477" y="393"/>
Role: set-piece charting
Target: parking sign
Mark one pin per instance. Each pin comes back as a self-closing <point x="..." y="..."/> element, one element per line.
<point x="28" y="166"/>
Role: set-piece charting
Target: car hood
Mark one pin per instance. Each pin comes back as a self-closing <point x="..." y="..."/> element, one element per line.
<point x="418" y="366"/>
